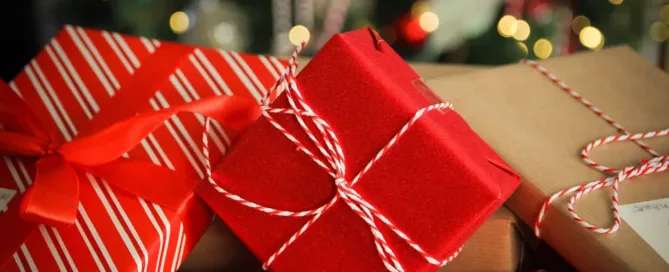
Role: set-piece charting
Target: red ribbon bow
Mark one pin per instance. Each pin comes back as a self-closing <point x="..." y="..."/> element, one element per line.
<point x="54" y="196"/>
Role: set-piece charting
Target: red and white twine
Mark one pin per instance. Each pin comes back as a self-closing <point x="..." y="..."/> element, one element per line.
<point x="659" y="163"/>
<point x="330" y="157"/>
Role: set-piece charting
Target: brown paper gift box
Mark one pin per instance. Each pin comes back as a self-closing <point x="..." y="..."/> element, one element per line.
<point x="540" y="130"/>
<point x="495" y="247"/>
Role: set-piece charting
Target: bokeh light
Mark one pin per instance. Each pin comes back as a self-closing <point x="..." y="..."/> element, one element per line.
<point x="543" y="48"/>
<point x="591" y="37"/>
<point x="579" y="23"/>
<point x="298" y="34"/>
<point x="616" y="2"/>
<point x="522" y="31"/>
<point x="664" y="14"/>
<point x="419" y="7"/>
<point x="659" y="32"/>
<point x="523" y="47"/>
<point x="179" y="22"/>
<point x="507" y="26"/>
<point x="429" y="21"/>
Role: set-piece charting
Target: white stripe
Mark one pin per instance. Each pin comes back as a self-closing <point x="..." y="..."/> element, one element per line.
<point x="158" y="229"/>
<point x="180" y="89"/>
<point x="166" y="223"/>
<point x="15" y="174"/>
<point x="177" y="248"/>
<point x="19" y="264"/>
<point x="277" y="64"/>
<point x="181" y="251"/>
<point x="84" y="52"/>
<point x="65" y="251"/>
<point x="52" y="248"/>
<point x="54" y="98"/>
<point x="12" y="85"/>
<point x="98" y="57"/>
<point x="179" y="141"/>
<point x="194" y="147"/>
<point x="49" y="106"/>
<point x="96" y="238"/>
<point x="196" y="96"/>
<point x="206" y="77"/>
<point x="156" y="43"/>
<point x="148" y="45"/>
<point x="112" y="215"/>
<point x="89" y="246"/>
<point x="161" y="152"/>
<point x="117" y="51"/>
<point x="241" y="75"/>
<point x="26" y="176"/>
<point x="248" y="71"/>
<point x="29" y="259"/>
<point x="269" y="67"/>
<point x="73" y="72"/>
<point x="68" y="82"/>
<point x="217" y="77"/>
<point x="126" y="49"/>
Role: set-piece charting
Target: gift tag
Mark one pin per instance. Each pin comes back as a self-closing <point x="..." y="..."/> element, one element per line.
<point x="6" y="195"/>
<point x="651" y="221"/>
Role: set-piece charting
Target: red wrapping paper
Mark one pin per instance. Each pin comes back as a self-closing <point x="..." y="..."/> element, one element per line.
<point x="438" y="184"/>
<point x="85" y="80"/>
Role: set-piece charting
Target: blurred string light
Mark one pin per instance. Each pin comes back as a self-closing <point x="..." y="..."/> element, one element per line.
<point x="579" y="23"/>
<point x="298" y="34"/>
<point x="179" y="22"/>
<point x="543" y="48"/>
<point x="523" y="47"/>
<point x="429" y="21"/>
<point x="507" y="26"/>
<point x="224" y="33"/>
<point x="522" y="31"/>
<point x="616" y="2"/>
<point x="591" y="37"/>
<point x="664" y="14"/>
<point x="659" y="32"/>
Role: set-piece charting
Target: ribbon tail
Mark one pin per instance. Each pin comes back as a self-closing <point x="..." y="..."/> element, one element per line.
<point x="108" y="144"/>
<point x="54" y="197"/>
<point x="165" y="187"/>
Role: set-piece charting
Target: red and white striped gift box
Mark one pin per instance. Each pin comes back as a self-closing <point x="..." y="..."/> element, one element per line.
<point x="80" y="80"/>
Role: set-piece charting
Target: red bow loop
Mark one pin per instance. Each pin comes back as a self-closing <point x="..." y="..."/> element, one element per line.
<point x="53" y="198"/>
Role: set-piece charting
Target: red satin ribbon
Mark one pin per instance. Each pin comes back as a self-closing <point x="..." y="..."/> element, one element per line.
<point x="54" y="196"/>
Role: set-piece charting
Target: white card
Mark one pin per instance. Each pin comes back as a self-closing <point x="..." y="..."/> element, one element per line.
<point x="5" y="196"/>
<point x="651" y="221"/>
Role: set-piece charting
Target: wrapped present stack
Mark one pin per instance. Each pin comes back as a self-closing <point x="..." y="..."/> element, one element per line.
<point x="111" y="143"/>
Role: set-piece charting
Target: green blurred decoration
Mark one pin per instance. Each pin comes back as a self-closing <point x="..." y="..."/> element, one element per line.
<point x="431" y="31"/>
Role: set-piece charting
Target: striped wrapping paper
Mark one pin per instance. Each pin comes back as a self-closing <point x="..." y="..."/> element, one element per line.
<point x="80" y="73"/>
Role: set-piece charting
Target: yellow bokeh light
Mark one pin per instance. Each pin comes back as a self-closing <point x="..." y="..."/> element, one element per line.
<point x="298" y="34"/>
<point x="616" y="2"/>
<point x="179" y="22"/>
<point x="419" y="7"/>
<point x="591" y="37"/>
<point x="429" y="21"/>
<point x="522" y="31"/>
<point x="579" y="23"/>
<point x="507" y="26"/>
<point x="523" y="47"/>
<point x="659" y="32"/>
<point x="664" y="14"/>
<point x="543" y="48"/>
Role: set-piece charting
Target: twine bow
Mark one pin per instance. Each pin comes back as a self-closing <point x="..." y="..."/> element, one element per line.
<point x="334" y="163"/>
<point x="659" y="163"/>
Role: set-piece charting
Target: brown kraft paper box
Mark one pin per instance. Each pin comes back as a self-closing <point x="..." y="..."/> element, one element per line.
<point x="540" y="130"/>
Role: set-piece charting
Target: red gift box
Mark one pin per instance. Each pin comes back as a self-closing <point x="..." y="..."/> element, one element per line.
<point x="85" y="80"/>
<point x="437" y="183"/>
